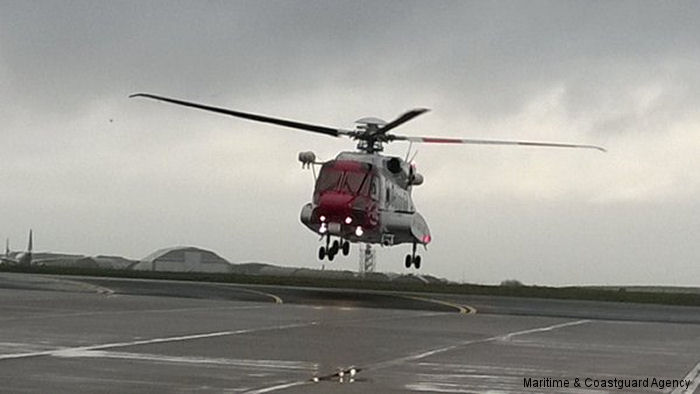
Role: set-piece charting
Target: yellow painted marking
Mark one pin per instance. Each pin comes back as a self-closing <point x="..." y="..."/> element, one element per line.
<point x="277" y="299"/>
<point x="463" y="309"/>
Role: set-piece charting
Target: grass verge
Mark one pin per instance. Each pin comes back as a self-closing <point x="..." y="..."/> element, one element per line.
<point x="564" y="293"/>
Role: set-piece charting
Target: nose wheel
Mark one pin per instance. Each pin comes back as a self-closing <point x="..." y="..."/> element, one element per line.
<point x="332" y="249"/>
<point x="413" y="259"/>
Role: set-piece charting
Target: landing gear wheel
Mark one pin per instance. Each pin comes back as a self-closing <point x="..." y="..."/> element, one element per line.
<point x="334" y="248"/>
<point x="321" y="253"/>
<point x="346" y="248"/>
<point x="413" y="259"/>
<point x="331" y="256"/>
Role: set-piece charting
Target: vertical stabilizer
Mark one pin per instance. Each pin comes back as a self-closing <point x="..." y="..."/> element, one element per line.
<point x="27" y="258"/>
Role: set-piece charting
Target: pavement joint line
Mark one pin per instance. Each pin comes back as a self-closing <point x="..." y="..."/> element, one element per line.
<point x="59" y="352"/>
<point x="418" y="356"/>
<point x="382" y="318"/>
<point x="694" y="377"/>
<point x="242" y="363"/>
<point x="96" y="313"/>
<point x="107" y="291"/>
<point x="463" y="309"/>
<point x="89" y="286"/>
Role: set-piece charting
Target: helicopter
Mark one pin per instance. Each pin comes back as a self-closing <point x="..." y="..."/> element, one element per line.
<point x="364" y="196"/>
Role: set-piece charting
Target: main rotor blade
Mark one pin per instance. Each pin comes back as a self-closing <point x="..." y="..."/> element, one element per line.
<point x="437" y="140"/>
<point x="255" y="117"/>
<point x="402" y="119"/>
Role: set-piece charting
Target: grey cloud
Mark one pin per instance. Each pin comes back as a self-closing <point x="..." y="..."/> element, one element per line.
<point x="623" y="73"/>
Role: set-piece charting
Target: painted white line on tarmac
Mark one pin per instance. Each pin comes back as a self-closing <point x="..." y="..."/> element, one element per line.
<point x="68" y="351"/>
<point x="503" y="337"/>
<point x="277" y="387"/>
<point x="508" y="337"/>
<point x="694" y="377"/>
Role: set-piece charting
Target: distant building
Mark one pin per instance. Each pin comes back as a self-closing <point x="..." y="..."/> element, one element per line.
<point x="113" y="262"/>
<point x="48" y="259"/>
<point x="183" y="259"/>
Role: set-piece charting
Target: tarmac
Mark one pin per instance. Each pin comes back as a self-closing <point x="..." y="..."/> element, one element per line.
<point x="97" y="335"/>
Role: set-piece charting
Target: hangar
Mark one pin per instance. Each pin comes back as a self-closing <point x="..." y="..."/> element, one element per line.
<point x="183" y="259"/>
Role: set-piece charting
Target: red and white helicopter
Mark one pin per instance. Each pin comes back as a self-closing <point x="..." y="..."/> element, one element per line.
<point x="363" y="196"/>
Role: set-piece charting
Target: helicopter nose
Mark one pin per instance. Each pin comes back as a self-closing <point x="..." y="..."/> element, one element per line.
<point x="335" y="204"/>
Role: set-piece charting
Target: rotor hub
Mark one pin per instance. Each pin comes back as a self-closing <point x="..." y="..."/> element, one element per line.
<point x="370" y="120"/>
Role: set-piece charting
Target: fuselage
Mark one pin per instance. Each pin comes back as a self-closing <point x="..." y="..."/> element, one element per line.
<point x="366" y="198"/>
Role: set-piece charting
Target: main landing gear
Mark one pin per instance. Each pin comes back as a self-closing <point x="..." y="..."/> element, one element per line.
<point x="413" y="259"/>
<point x="331" y="250"/>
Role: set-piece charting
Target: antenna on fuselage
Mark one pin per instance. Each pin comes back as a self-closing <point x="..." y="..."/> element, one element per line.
<point x="413" y="157"/>
<point x="408" y="152"/>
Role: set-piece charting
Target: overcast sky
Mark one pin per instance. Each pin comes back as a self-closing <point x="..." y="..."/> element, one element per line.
<point x="94" y="172"/>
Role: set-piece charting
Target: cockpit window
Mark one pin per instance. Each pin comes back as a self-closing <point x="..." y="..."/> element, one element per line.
<point x="328" y="179"/>
<point x="357" y="183"/>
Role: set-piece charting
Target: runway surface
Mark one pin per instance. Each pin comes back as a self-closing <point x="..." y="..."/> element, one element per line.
<point x="96" y="335"/>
